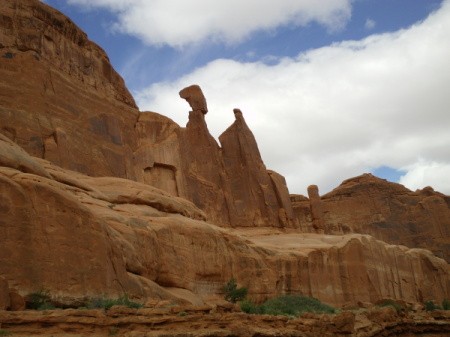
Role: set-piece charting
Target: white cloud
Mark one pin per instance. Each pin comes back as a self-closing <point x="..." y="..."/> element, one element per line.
<point x="422" y="174"/>
<point x="370" y="24"/>
<point x="338" y="111"/>
<point x="181" y="22"/>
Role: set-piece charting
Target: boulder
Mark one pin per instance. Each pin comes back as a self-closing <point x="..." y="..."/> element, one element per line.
<point x="194" y="96"/>
<point x="17" y="301"/>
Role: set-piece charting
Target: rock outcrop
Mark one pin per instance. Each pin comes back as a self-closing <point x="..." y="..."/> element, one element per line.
<point x="97" y="198"/>
<point x="5" y="301"/>
<point x="75" y="111"/>
<point x="207" y="321"/>
<point x="194" y="96"/>
<point x="388" y="211"/>
<point x="257" y="199"/>
<point x="81" y="236"/>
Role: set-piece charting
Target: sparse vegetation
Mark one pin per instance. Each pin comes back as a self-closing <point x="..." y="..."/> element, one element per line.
<point x="446" y="304"/>
<point x="391" y="303"/>
<point x="289" y="305"/>
<point x="4" y="333"/>
<point x="234" y="294"/>
<point x="39" y="300"/>
<point x="107" y="303"/>
<point x="431" y="306"/>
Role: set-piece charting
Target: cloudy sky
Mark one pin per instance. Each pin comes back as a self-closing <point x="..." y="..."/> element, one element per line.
<point x="331" y="89"/>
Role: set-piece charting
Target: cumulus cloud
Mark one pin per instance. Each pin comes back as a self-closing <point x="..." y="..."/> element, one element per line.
<point x="181" y="22"/>
<point x="424" y="173"/>
<point x="338" y="111"/>
<point x="370" y="24"/>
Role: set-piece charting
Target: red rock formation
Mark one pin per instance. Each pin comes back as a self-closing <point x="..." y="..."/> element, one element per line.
<point x="194" y="96"/>
<point x="207" y="321"/>
<point x="81" y="236"/>
<point x="78" y="235"/>
<point x="76" y="112"/>
<point x="316" y="209"/>
<point x="5" y="301"/>
<point x="253" y="192"/>
<point x="60" y="97"/>
<point x="388" y="211"/>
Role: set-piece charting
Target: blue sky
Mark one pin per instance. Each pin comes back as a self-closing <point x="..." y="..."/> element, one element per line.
<point x="331" y="88"/>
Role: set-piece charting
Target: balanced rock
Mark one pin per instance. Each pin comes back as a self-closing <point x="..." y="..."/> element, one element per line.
<point x="194" y="96"/>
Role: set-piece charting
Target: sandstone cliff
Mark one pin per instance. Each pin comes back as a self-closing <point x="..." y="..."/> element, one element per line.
<point x="97" y="198"/>
<point x="75" y="111"/>
<point x="82" y="236"/>
<point x="388" y="211"/>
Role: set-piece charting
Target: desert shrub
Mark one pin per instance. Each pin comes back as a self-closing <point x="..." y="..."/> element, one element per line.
<point x="290" y="305"/>
<point x="4" y="333"/>
<point x="107" y="303"/>
<point x="390" y="303"/>
<point x="295" y="305"/>
<point x="234" y="294"/>
<point x="39" y="300"/>
<point x="431" y="306"/>
<point x="446" y="304"/>
<point x="250" y="308"/>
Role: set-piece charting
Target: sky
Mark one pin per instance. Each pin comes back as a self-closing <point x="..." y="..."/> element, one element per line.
<point x="331" y="89"/>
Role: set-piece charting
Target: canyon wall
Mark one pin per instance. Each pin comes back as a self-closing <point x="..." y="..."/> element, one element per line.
<point x="79" y="236"/>
<point x="388" y="211"/>
<point x="62" y="101"/>
<point x="98" y="198"/>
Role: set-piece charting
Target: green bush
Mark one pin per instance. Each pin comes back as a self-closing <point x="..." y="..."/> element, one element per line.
<point x="107" y="303"/>
<point x="39" y="300"/>
<point x="234" y="294"/>
<point x="250" y="308"/>
<point x="431" y="306"/>
<point x="390" y="303"/>
<point x="446" y="304"/>
<point x="289" y="305"/>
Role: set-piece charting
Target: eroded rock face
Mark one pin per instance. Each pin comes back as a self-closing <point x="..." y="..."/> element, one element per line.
<point x="61" y="99"/>
<point x="79" y="236"/>
<point x="257" y="199"/>
<point x="75" y="111"/>
<point x="5" y="301"/>
<point x="194" y="96"/>
<point x="388" y="211"/>
<point x="128" y="227"/>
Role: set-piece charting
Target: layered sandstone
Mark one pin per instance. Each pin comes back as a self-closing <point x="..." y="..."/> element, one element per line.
<point x="207" y="321"/>
<point x="81" y="236"/>
<point x="387" y="211"/>
<point x="75" y="111"/>
<point x="97" y="198"/>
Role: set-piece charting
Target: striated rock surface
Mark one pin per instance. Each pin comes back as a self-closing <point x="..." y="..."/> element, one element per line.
<point x="207" y="321"/>
<point x="60" y="98"/>
<point x="5" y="300"/>
<point x="387" y="211"/>
<point x="75" y="111"/>
<point x="97" y="198"/>
<point x="257" y="199"/>
<point x="81" y="236"/>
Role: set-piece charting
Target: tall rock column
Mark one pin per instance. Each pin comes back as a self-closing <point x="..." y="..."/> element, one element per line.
<point x="316" y="209"/>
<point x="254" y="198"/>
<point x="201" y="161"/>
